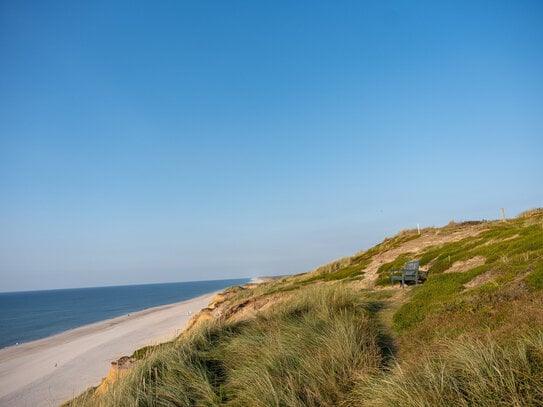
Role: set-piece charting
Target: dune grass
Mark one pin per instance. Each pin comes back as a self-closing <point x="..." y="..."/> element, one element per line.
<point x="464" y="373"/>
<point x="306" y="352"/>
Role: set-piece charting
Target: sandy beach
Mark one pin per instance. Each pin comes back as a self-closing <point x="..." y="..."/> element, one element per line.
<point x="50" y="371"/>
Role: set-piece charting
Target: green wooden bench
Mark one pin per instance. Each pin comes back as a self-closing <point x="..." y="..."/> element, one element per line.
<point x="410" y="272"/>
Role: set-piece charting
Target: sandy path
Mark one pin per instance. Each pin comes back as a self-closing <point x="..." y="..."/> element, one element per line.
<point x="28" y="376"/>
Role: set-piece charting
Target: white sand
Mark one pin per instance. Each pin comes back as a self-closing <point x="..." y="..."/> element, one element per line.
<point x="83" y="356"/>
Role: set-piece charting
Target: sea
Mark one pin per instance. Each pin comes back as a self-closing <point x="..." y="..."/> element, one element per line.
<point x="30" y="315"/>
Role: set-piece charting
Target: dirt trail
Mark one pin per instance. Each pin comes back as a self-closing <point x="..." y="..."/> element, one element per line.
<point x="415" y="246"/>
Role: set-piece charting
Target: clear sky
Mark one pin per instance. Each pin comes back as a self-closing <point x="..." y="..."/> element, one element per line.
<point x="189" y="140"/>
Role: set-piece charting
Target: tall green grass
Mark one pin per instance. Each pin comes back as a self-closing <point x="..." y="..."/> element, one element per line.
<point x="306" y="352"/>
<point x="467" y="373"/>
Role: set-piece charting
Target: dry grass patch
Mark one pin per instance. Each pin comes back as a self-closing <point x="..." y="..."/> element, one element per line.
<point x="481" y="279"/>
<point x="465" y="265"/>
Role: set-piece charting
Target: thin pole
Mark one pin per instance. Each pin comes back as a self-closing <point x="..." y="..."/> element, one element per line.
<point x="503" y="215"/>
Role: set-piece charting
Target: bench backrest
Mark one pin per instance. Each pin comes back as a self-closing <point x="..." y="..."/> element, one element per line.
<point x="412" y="265"/>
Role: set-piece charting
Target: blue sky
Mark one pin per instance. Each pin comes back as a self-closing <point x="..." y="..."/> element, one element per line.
<point x="189" y="140"/>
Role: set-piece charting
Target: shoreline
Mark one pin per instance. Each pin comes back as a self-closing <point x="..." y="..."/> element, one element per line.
<point x="50" y="371"/>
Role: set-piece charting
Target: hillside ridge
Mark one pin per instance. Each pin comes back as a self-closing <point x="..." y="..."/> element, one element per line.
<point x="341" y="335"/>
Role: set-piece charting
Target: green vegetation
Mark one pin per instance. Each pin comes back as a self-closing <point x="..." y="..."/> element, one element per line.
<point x="433" y="294"/>
<point x="471" y="335"/>
<point x="474" y="373"/>
<point x="307" y="352"/>
<point x="510" y="251"/>
<point x="535" y="278"/>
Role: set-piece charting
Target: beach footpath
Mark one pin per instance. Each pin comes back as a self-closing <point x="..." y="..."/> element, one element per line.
<point x="52" y="370"/>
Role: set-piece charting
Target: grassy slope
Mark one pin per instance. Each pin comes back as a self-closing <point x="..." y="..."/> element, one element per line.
<point x="325" y="338"/>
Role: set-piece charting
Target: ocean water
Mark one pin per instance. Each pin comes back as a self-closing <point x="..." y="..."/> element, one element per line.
<point x="26" y="316"/>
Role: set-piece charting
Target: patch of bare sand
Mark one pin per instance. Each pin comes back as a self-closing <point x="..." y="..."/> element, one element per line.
<point x="481" y="279"/>
<point x="465" y="265"/>
<point x="492" y="241"/>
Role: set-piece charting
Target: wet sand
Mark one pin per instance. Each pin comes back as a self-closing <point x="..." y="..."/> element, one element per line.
<point x="49" y="371"/>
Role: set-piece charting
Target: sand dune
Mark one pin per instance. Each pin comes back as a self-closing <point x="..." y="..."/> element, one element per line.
<point x="50" y="371"/>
